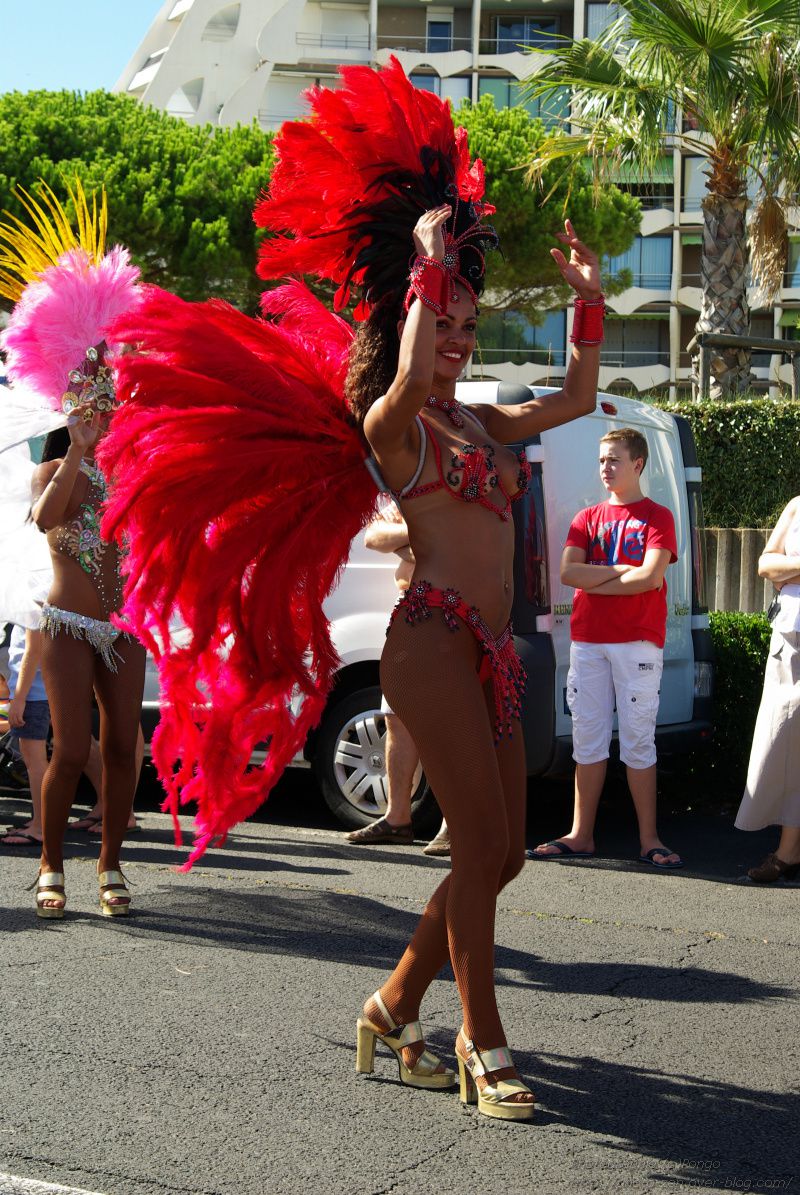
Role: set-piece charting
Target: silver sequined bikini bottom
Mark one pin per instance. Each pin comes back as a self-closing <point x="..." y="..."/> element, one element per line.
<point x="101" y="635"/>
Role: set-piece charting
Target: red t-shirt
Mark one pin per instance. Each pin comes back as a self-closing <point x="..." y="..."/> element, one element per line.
<point x="621" y="535"/>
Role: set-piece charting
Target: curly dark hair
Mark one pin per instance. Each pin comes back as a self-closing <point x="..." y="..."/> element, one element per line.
<point x="56" y="445"/>
<point x="374" y="356"/>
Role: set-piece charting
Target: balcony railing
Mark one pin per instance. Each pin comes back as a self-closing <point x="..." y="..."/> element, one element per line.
<point x="556" y="357"/>
<point x="633" y="358"/>
<point x="647" y="281"/>
<point x="510" y="45"/>
<point x="427" y="45"/>
<point x="334" y="41"/>
<point x="697" y="280"/>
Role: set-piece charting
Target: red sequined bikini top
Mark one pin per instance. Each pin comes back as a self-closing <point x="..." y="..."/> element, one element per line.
<point x="471" y="477"/>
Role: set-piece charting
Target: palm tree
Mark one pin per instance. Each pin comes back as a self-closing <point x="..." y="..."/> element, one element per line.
<point x="730" y="70"/>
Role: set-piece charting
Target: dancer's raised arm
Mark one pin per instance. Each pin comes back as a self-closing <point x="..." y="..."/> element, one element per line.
<point x="578" y="395"/>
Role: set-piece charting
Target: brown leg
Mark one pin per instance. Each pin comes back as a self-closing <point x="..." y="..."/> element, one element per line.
<point x="119" y="696"/>
<point x="429" y="674"/>
<point x="68" y="673"/>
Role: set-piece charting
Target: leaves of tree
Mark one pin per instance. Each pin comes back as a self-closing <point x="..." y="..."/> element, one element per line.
<point x="180" y="196"/>
<point x="528" y="217"/>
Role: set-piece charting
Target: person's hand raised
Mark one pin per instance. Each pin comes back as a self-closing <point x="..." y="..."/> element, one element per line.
<point x="429" y="232"/>
<point x="582" y="271"/>
<point x="85" y="426"/>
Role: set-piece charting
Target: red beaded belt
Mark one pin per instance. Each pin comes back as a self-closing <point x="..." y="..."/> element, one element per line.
<point x="500" y="661"/>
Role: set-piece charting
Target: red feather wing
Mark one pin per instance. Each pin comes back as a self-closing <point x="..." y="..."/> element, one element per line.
<point x="238" y="482"/>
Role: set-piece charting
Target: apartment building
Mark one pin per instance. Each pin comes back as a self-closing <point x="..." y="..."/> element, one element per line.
<point x="207" y="61"/>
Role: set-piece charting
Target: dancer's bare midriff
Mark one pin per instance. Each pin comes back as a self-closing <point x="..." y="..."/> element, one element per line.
<point x="463" y="545"/>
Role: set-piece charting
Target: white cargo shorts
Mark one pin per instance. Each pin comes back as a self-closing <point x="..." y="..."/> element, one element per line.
<point x="599" y="672"/>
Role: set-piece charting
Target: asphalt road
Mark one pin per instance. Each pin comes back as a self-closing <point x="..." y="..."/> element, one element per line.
<point x="206" y="1044"/>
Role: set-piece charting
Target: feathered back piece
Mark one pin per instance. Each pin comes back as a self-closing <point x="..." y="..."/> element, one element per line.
<point x="350" y="184"/>
<point x="66" y="287"/>
<point x="238" y="482"/>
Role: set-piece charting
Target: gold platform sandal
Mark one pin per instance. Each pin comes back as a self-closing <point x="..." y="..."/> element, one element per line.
<point x="49" y="886"/>
<point x="492" y="1099"/>
<point x="424" y="1073"/>
<point x="115" y="899"/>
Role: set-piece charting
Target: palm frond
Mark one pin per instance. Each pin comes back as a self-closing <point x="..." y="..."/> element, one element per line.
<point x="769" y="244"/>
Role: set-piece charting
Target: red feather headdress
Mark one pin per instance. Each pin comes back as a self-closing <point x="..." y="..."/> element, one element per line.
<point x="350" y="184"/>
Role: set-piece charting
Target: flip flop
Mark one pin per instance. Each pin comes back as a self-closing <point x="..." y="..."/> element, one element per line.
<point x="563" y="851"/>
<point x="97" y="829"/>
<point x="87" y="823"/>
<point x="30" y="840"/>
<point x="660" y="850"/>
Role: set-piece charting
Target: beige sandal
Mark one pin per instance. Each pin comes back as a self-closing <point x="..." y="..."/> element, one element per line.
<point x="424" y="1072"/>
<point x="115" y="899"/>
<point x="493" y="1099"/>
<point x="49" y="886"/>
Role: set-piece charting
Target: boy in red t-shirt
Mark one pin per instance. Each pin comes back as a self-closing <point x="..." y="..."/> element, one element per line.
<point x="616" y="557"/>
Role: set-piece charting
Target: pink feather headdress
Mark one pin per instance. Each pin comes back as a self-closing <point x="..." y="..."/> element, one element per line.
<point x="68" y="292"/>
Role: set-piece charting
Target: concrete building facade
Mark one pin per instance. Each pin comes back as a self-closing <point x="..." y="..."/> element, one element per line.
<point x="228" y="63"/>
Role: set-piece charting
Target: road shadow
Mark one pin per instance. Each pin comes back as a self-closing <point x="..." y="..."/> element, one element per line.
<point x="721" y="1136"/>
<point x="345" y="928"/>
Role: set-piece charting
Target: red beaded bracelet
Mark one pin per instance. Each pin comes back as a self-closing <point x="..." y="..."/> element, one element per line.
<point x="587" y="326"/>
<point x="430" y="282"/>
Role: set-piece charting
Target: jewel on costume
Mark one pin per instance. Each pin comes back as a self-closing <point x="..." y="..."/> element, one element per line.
<point x="451" y="407"/>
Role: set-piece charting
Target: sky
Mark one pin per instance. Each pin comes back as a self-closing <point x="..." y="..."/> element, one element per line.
<point x="80" y="45"/>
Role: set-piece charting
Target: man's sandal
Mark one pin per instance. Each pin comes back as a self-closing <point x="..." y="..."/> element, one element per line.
<point x="381" y="831"/>
<point x="49" y="887"/>
<point x="493" y="1099"/>
<point x="115" y="899"/>
<point x="422" y="1074"/>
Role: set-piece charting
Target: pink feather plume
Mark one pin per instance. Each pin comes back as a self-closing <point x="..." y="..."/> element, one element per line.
<point x="68" y="309"/>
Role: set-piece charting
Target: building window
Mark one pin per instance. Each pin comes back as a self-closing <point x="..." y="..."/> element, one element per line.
<point x="650" y="261"/>
<point x="599" y="16"/>
<point x="633" y="343"/>
<point x="514" y="33"/>
<point x="440" y="35"/>
<point x="761" y="325"/>
<point x="455" y="89"/>
<point x="694" y="183"/>
<point x="509" y="336"/>
<point x="507" y="93"/>
<point x="792" y="276"/>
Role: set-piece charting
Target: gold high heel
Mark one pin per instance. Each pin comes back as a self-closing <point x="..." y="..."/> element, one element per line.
<point x="49" y="885"/>
<point x="115" y="899"/>
<point x="494" y="1098"/>
<point x="423" y="1074"/>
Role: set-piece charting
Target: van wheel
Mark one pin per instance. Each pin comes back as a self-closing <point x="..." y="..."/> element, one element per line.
<point x="350" y="764"/>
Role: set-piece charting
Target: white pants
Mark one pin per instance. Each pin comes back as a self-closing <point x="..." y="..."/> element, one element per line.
<point x="597" y="673"/>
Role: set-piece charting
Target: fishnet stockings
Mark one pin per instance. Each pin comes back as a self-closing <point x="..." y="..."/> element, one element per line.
<point x="429" y="675"/>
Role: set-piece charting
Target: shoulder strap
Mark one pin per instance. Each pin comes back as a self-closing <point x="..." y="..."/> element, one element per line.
<point x="420" y="422"/>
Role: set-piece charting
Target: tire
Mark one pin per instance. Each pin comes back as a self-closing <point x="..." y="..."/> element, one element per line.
<point x="350" y="764"/>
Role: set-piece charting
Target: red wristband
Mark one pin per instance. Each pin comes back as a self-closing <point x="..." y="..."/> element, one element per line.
<point x="430" y="282"/>
<point x="587" y="326"/>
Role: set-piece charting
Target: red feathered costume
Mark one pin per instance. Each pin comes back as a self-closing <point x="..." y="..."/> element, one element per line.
<point x="238" y="476"/>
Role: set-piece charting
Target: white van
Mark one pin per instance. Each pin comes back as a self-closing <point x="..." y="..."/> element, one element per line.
<point x="346" y="752"/>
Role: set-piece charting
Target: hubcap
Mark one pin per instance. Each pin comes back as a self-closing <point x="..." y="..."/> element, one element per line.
<point x="360" y="763"/>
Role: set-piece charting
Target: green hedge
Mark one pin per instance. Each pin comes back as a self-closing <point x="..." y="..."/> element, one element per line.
<point x="717" y="771"/>
<point x="749" y="451"/>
